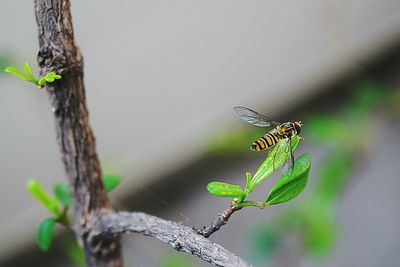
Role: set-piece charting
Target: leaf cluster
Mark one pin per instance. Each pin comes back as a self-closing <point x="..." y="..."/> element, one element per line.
<point x="313" y="220"/>
<point x="58" y="205"/>
<point x="289" y="185"/>
<point x="29" y="77"/>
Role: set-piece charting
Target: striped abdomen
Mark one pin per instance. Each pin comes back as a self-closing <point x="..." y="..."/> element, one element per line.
<point x="266" y="141"/>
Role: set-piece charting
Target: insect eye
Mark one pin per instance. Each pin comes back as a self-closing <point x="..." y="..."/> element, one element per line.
<point x="298" y="125"/>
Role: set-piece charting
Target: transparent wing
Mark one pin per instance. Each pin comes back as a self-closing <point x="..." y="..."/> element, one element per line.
<point x="252" y="117"/>
<point x="289" y="163"/>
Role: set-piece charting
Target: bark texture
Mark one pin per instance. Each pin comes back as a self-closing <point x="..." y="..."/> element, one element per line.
<point x="220" y="221"/>
<point x="58" y="52"/>
<point x="180" y="237"/>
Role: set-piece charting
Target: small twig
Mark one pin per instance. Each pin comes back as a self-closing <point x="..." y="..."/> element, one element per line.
<point x="220" y="221"/>
<point x="224" y="216"/>
<point x="180" y="237"/>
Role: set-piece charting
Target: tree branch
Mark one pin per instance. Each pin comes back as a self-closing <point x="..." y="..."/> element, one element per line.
<point x="58" y="52"/>
<point x="95" y="223"/>
<point x="180" y="237"/>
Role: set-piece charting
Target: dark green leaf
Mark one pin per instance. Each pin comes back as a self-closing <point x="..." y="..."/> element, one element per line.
<point x="36" y="189"/>
<point x="275" y="159"/>
<point x="45" y="233"/>
<point x="220" y="189"/>
<point x="291" y="183"/>
<point x="111" y="181"/>
<point x="63" y="194"/>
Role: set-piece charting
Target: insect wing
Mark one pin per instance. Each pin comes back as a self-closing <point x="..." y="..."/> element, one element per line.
<point x="289" y="163"/>
<point x="252" y="117"/>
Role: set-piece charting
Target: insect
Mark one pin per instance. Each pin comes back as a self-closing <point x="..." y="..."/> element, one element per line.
<point x="280" y="132"/>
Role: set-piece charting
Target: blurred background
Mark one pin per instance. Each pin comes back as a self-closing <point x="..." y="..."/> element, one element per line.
<point x="161" y="80"/>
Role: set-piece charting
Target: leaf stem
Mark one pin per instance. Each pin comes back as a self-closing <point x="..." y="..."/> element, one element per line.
<point x="250" y="203"/>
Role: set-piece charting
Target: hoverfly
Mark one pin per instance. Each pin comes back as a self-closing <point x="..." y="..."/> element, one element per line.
<point x="280" y="132"/>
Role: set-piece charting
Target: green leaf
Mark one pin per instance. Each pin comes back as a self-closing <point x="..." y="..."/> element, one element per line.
<point x="319" y="234"/>
<point x="220" y="189"/>
<point x="29" y="73"/>
<point x="248" y="180"/>
<point x="48" y="78"/>
<point x="291" y="183"/>
<point x="63" y="194"/>
<point x="16" y="72"/>
<point x="111" y="181"/>
<point x="365" y="97"/>
<point x="51" y="76"/>
<point x="45" y="233"/>
<point x="41" y="81"/>
<point x="333" y="175"/>
<point x="274" y="160"/>
<point x="28" y="76"/>
<point x="74" y="251"/>
<point x="36" y="189"/>
<point x="264" y="243"/>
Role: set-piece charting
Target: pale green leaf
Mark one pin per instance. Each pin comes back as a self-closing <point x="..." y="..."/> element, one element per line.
<point x="248" y="180"/>
<point x="275" y="159"/>
<point x="16" y="72"/>
<point x="29" y="73"/>
<point x="36" y="189"/>
<point x="220" y="189"/>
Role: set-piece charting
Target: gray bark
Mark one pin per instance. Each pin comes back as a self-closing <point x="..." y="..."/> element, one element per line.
<point x="180" y="237"/>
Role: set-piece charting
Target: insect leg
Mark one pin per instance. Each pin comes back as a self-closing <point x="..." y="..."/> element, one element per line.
<point x="273" y="161"/>
<point x="291" y="159"/>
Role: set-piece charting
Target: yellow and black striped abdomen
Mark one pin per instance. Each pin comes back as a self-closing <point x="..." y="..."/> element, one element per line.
<point x="266" y="141"/>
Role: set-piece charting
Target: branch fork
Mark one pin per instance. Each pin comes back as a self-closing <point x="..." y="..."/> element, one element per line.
<point x="97" y="225"/>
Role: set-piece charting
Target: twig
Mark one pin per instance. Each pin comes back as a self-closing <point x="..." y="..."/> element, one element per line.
<point x="224" y="216"/>
<point x="220" y="221"/>
<point x="180" y="237"/>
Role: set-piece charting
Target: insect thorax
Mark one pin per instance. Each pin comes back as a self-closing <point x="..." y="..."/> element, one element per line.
<point x="286" y="130"/>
